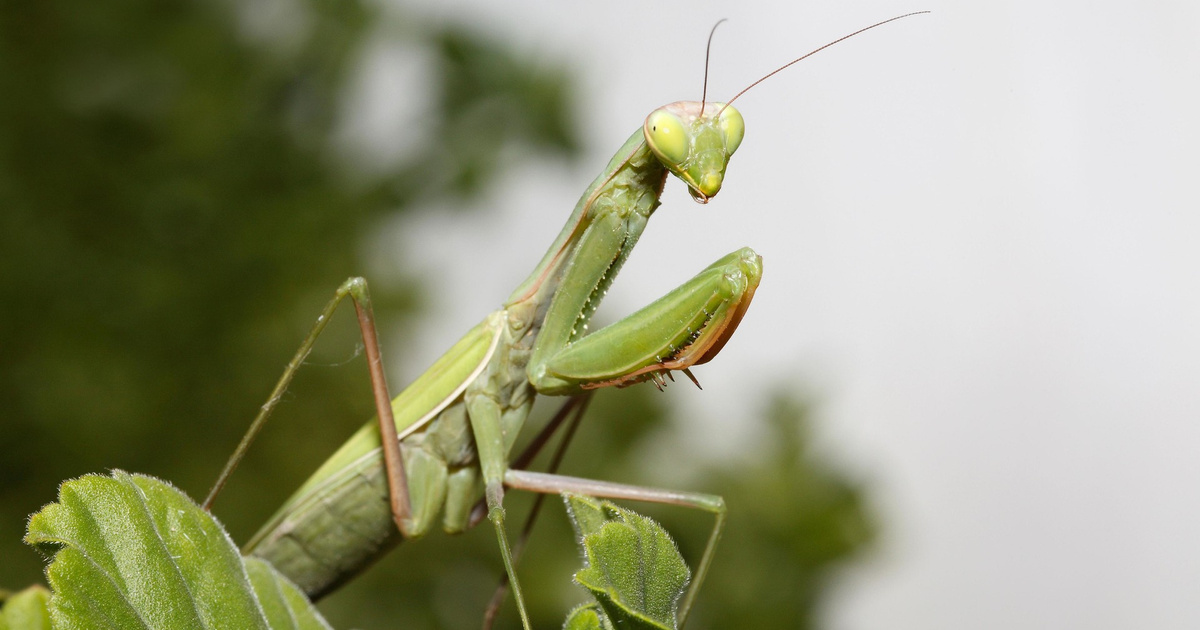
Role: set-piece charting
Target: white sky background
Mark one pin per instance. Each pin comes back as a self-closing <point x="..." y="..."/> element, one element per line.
<point x="981" y="240"/>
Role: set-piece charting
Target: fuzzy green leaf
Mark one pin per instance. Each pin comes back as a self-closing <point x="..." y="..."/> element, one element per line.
<point x="587" y="617"/>
<point x="285" y="605"/>
<point x="131" y="551"/>
<point x="634" y="569"/>
<point x="26" y="610"/>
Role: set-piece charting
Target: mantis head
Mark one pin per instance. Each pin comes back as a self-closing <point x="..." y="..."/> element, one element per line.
<point x="694" y="141"/>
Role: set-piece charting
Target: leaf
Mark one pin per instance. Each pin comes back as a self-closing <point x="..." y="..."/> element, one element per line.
<point x="634" y="569"/>
<point x="284" y="603"/>
<point x="26" y="610"/>
<point x="586" y="617"/>
<point x="131" y="551"/>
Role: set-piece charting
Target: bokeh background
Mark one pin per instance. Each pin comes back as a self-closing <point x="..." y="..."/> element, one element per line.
<point x="965" y="395"/>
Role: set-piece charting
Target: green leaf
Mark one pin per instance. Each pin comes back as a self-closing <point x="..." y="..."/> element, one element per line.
<point x="26" y="610"/>
<point x="634" y="569"/>
<point x="131" y="551"/>
<point x="587" y="617"/>
<point x="284" y="603"/>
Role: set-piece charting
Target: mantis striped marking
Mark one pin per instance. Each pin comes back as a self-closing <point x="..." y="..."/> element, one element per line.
<point x="447" y="436"/>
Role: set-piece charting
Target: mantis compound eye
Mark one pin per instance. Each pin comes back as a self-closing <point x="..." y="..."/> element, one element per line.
<point x="732" y="127"/>
<point x="667" y="137"/>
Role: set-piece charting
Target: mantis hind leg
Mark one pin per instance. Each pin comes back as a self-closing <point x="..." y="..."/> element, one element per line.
<point x="714" y="504"/>
<point x="356" y="290"/>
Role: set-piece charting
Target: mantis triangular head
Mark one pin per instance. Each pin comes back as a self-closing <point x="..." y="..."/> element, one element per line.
<point x="694" y="140"/>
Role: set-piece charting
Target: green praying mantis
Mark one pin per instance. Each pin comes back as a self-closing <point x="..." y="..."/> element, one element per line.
<point x="445" y="440"/>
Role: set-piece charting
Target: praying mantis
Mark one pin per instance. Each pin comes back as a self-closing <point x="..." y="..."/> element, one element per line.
<point x="445" y="440"/>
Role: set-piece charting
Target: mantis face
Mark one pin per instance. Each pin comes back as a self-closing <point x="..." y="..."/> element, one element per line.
<point x="695" y="145"/>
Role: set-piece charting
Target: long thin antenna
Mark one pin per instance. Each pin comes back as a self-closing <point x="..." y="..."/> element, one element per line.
<point x="807" y="55"/>
<point x="707" y="51"/>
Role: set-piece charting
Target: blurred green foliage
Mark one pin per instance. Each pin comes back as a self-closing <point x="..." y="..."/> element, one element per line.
<point x="175" y="209"/>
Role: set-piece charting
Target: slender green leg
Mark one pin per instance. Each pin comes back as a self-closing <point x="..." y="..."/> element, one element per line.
<point x="574" y="409"/>
<point x="485" y="415"/>
<point x="556" y="484"/>
<point x="496" y="515"/>
<point x="356" y="290"/>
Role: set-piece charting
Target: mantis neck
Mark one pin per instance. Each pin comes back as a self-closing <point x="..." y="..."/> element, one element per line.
<point x="630" y="185"/>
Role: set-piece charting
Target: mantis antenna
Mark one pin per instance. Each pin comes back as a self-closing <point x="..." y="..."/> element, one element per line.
<point x="804" y="56"/>
<point x="707" y="52"/>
